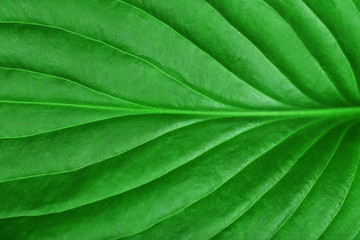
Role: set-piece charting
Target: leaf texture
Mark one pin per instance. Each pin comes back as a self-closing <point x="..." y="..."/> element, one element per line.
<point x="202" y="119"/>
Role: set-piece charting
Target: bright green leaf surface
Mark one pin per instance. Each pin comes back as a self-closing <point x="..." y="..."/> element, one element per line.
<point x="201" y="119"/>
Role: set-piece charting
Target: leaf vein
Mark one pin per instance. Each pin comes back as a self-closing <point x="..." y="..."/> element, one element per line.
<point x="184" y="84"/>
<point x="265" y="55"/>
<point x="203" y="50"/>
<point x="248" y="208"/>
<point x="346" y="195"/>
<point x="341" y="95"/>
<point x="222" y="184"/>
<point x="312" y="186"/>
<point x="77" y="83"/>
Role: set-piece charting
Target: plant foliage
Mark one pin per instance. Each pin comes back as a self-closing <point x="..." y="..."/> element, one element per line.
<point x="172" y="119"/>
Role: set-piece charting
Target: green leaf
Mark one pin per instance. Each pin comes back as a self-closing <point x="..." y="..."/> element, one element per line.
<point x="201" y="119"/>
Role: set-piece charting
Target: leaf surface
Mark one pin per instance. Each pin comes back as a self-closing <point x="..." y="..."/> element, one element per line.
<point x="206" y="119"/>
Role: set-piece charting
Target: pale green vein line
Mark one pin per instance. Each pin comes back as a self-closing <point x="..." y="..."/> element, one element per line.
<point x="346" y="195"/>
<point x="82" y="85"/>
<point x="327" y="112"/>
<point x="222" y="184"/>
<point x="190" y="160"/>
<point x="203" y="50"/>
<point x="356" y="6"/>
<point x="268" y="190"/>
<point x="62" y="128"/>
<point x="265" y="55"/>
<point x="185" y="84"/>
<point x="116" y="155"/>
<point x="357" y="9"/>
<point x="75" y="125"/>
<point x="95" y="107"/>
<point x="311" y="54"/>
<point x="312" y="186"/>
<point x="357" y="235"/>
<point x="337" y="41"/>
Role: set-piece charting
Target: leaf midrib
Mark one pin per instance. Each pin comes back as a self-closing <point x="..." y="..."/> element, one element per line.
<point x="320" y="112"/>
